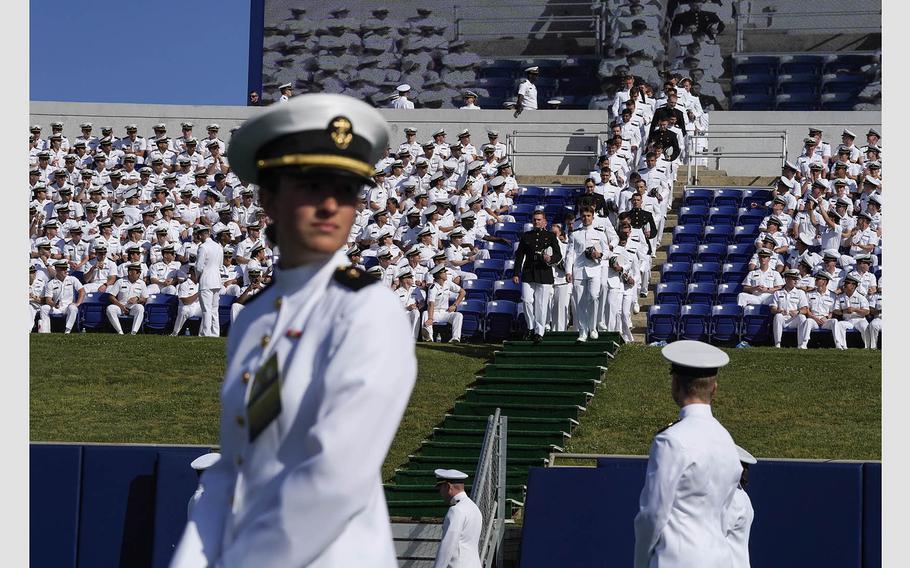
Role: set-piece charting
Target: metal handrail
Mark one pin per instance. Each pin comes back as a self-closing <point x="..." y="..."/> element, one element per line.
<point x="489" y="491"/>
<point x="513" y="152"/>
<point x="693" y="153"/>
<point x="742" y="17"/>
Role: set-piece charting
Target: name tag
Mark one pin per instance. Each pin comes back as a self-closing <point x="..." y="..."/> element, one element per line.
<point x="264" y="404"/>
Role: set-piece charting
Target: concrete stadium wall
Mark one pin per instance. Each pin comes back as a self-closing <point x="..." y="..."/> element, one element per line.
<point x="541" y="138"/>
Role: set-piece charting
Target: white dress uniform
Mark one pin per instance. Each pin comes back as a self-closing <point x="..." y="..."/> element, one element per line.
<point x="562" y="292"/>
<point x="186" y="289"/>
<point x="622" y="289"/>
<point x="123" y="290"/>
<point x="62" y="295"/>
<point x="820" y="305"/>
<point x="209" y="259"/>
<point x="738" y="519"/>
<point x="461" y="530"/>
<point x="786" y="300"/>
<point x="874" y="328"/>
<point x="528" y="92"/>
<point x="100" y="275"/>
<point x="439" y="295"/>
<point x="693" y="471"/>
<point x="409" y="297"/>
<point x="769" y="279"/>
<point x="586" y="275"/>
<point x="300" y="484"/>
<point x="851" y="320"/>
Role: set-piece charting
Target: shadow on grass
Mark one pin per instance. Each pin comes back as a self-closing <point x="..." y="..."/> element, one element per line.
<point x="482" y="351"/>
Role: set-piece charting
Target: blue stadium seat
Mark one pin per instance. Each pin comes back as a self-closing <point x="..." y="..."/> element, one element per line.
<point x="531" y="194"/>
<point x="797" y="101"/>
<point x="473" y="312"/>
<point x="160" y="313"/>
<point x="489" y="269"/>
<point x="684" y="252"/>
<point x="667" y="293"/>
<point x="701" y="293"/>
<point x="733" y="273"/>
<point x="675" y="272"/>
<point x="758" y="64"/>
<point x="739" y="252"/>
<point x="843" y="83"/>
<point x="694" y="322"/>
<point x="693" y="215"/>
<point x="725" y="323"/>
<point x="560" y="195"/>
<point x="58" y="321"/>
<point x="91" y="312"/>
<point x="846" y="62"/>
<point x="522" y="212"/>
<point x="727" y="197"/>
<point x="698" y="196"/>
<point x="520" y="324"/>
<point x="722" y="215"/>
<point x="753" y="84"/>
<point x="499" y="318"/>
<point x="797" y="84"/>
<point x="506" y="290"/>
<point x="756" y="326"/>
<point x="728" y="293"/>
<point x="838" y="101"/>
<point x="498" y="251"/>
<point x="801" y="64"/>
<point x="480" y="289"/>
<point x="225" y="302"/>
<point x="745" y="234"/>
<point x="494" y="83"/>
<point x="705" y="272"/>
<point x="662" y="323"/>
<point x="508" y="231"/>
<point x="719" y="234"/>
<point x="711" y="252"/>
<point x="508" y="269"/>
<point x="757" y="196"/>
<point x="752" y="101"/>
<point x="690" y="234"/>
<point x="556" y="213"/>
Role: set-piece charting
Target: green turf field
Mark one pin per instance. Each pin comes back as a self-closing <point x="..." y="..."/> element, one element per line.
<point x="820" y="403"/>
<point x="164" y="390"/>
<point x="776" y="403"/>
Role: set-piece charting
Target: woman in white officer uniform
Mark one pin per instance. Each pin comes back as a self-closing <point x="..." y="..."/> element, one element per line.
<point x="312" y="396"/>
<point x="463" y="523"/>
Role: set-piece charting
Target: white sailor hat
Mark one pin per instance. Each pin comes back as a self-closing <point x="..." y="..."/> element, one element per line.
<point x="468" y="215"/>
<point x="848" y="133"/>
<point x="534" y="69"/>
<point x="456" y="233"/>
<point x="810" y="141"/>
<point x="200" y="228"/>
<point x="35" y="128"/>
<point x="790" y="166"/>
<point x="57" y="124"/>
<point x="852" y="278"/>
<point x="503" y="164"/>
<point x="353" y="251"/>
<point x="875" y="198"/>
<point x="451" y="164"/>
<point x="467" y="93"/>
<point x="475" y="199"/>
<point x="464" y="132"/>
<point x="412" y="212"/>
<point x="160" y="126"/>
<point x="85" y="125"/>
<point x="806" y="239"/>
<point x="186" y="124"/>
<point x="694" y="358"/>
<point x="450" y="475"/>
<point x="745" y="457"/>
<point x="213" y="126"/>
<point x="413" y="251"/>
<point x="205" y="461"/>
<point x="410" y="130"/>
<point x="436" y="176"/>
<point x="380" y="213"/>
<point x="376" y="271"/>
<point x="421" y="162"/>
<point x="284" y="86"/>
<point x="864" y="215"/>
<point x="403" y="88"/>
<point x="864" y="257"/>
<point x="134" y="266"/>
<point x="425" y="231"/>
<point x="497" y="181"/>
<point x="791" y="273"/>
<point x="61" y="262"/>
<point x="554" y="102"/>
<point x="145" y="170"/>
<point x="874" y="132"/>
<point x="437" y="269"/>
<point x="872" y="181"/>
<point x="475" y="165"/>
<point x="43" y="242"/>
<point x="492" y="133"/>
<point x="405" y="273"/>
<point x="488" y="148"/>
<point x="440" y="132"/>
<point x="791" y="183"/>
<point x="384" y="251"/>
<point x="428" y="144"/>
<point x="830" y="253"/>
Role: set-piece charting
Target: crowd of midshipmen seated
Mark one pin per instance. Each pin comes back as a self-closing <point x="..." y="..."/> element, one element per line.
<point x="123" y="215"/>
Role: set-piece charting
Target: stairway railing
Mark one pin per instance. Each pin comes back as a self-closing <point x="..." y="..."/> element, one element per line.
<point x="489" y="492"/>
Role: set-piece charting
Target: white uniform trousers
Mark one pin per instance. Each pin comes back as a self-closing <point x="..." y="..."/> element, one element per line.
<point x="236" y="308"/>
<point x="136" y="310"/>
<point x="781" y="322"/>
<point x="872" y="333"/>
<point x="454" y="318"/>
<point x="804" y="331"/>
<point x="536" y="300"/>
<point x="840" y="330"/>
<point x="156" y="289"/>
<point x="744" y="298"/>
<point x="71" y="311"/>
<point x="231" y="290"/>
<point x="613" y="312"/>
<point x="586" y="291"/>
<point x="645" y="281"/>
<point x="208" y="298"/>
<point x="628" y="298"/>
<point x="185" y="312"/>
<point x="33" y="311"/>
<point x="414" y="318"/>
<point x="92" y="287"/>
<point x="559" y="306"/>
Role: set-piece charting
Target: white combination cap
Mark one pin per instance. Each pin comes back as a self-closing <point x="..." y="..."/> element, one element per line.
<point x="694" y="357"/>
<point x="450" y="475"/>
<point x="745" y="456"/>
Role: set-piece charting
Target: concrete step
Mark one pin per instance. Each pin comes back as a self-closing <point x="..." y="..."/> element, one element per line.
<point x="735" y="181"/>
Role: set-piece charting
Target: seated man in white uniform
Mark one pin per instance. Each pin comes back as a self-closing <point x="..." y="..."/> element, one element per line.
<point x="128" y="297"/>
<point x="438" y="308"/>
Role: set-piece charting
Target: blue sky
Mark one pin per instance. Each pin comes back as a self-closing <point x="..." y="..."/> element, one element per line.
<point x="194" y="51"/>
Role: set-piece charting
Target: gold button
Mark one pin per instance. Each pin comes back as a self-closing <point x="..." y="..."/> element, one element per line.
<point x="239" y="460"/>
<point x="278" y="302"/>
<point x="246" y="377"/>
<point x="240" y="421"/>
<point x="265" y="340"/>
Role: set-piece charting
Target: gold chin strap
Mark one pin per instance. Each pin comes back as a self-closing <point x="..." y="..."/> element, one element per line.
<point x="324" y="160"/>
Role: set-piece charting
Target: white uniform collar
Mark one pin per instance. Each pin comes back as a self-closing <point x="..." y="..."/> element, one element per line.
<point x="459" y="497"/>
<point x="695" y="409"/>
<point x="291" y="280"/>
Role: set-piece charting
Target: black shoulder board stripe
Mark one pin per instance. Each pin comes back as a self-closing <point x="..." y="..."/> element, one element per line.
<point x="353" y="278"/>
<point x="667" y="426"/>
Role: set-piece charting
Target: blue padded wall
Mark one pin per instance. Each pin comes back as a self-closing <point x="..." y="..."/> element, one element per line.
<point x="872" y="515"/>
<point x="54" y="480"/>
<point x="175" y="483"/>
<point x="116" y="523"/>
<point x="563" y="518"/>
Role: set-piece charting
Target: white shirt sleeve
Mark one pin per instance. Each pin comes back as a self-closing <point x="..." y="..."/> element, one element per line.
<point x="448" y="546"/>
<point x="657" y="496"/>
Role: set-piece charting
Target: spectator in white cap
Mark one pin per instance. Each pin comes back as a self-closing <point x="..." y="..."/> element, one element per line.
<point x="463" y="523"/>
<point x="821" y="310"/>
<point x="402" y="101"/>
<point x="209" y="258"/>
<point x="739" y="514"/>
<point x="852" y="308"/>
<point x="527" y="91"/>
<point x="789" y="306"/>
<point x="847" y="137"/>
<point x="411" y="297"/>
<point x="693" y="470"/>
<point x="128" y="296"/>
<point x="438" y="308"/>
<point x="761" y="283"/>
<point x="62" y="296"/>
<point x="286" y="92"/>
<point x="101" y="272"/>
<point x="470" y="101"/>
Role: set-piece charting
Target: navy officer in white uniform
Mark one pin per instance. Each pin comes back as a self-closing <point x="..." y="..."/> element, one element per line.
<point x="693" y="471"/>
<point x="462" y="524"/>
<point x="312" y="396"/>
